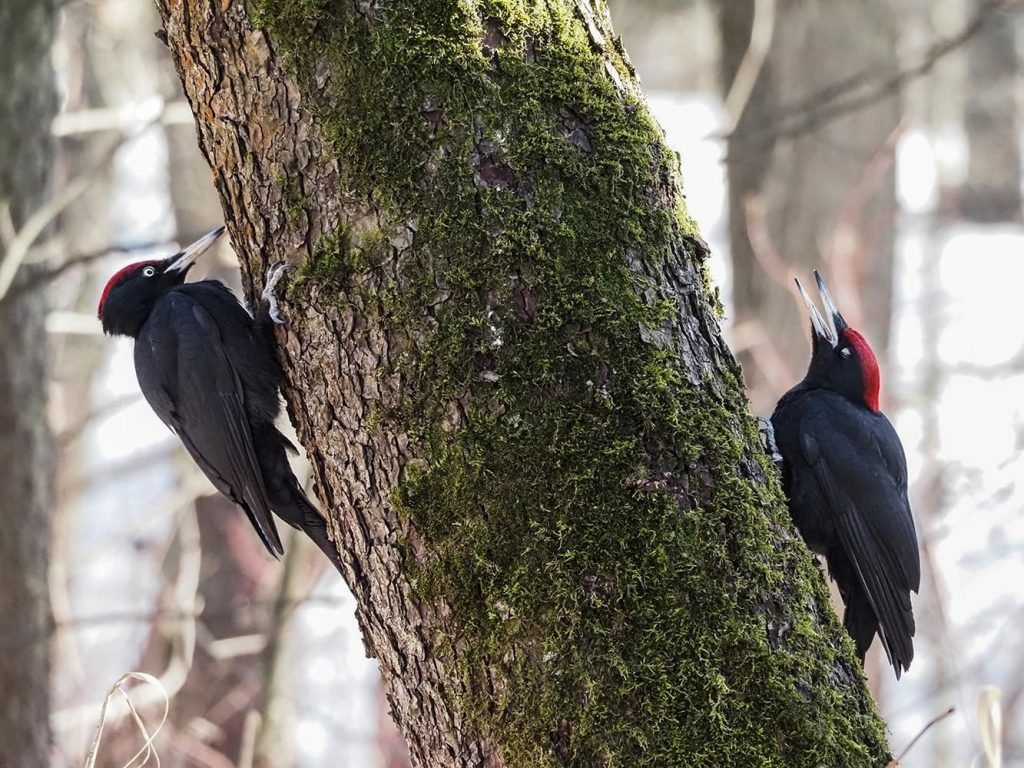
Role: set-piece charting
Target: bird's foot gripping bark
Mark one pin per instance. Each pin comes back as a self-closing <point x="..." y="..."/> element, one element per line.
<point x="768" y="433"/>
<point x="269" y="300"/>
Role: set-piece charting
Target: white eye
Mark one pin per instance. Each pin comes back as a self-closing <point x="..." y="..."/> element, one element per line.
<point x="845" y="352"/>
<point x="149" y="271"/>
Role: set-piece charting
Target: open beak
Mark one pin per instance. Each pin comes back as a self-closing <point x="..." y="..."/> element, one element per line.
<point x="835" y="324"/>
<point x="180" y="262"/>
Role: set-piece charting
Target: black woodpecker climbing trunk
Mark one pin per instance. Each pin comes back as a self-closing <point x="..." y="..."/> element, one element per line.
<point x="845" y="475"/>
<point x="207" y="368"/>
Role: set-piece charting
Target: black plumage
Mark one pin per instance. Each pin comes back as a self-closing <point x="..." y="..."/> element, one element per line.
<point x="208" y="370"/>
<point x="845" y="476"/>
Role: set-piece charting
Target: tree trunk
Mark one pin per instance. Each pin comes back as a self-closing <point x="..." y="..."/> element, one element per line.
<point x="991" y="191"/>
<point x="504" y="361"/>
<point x="823" y="198"/>
<point x="27" y="105"/>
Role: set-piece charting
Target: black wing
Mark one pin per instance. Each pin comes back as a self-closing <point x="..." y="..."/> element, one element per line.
<point x="859" y="465"/>
<point x="188" y="379"/>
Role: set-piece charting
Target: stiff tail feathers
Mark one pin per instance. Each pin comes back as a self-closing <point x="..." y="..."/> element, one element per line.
<point x="860" y="621"/>
<point x="285" y="495"/>
<point x="315" y="526"/>
<point x="874" y="582"/>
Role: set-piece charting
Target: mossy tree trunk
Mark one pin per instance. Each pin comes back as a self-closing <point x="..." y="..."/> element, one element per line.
<point x="504" y="361"/>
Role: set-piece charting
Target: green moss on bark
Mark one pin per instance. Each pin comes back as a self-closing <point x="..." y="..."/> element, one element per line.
<point x="624" y="589"/>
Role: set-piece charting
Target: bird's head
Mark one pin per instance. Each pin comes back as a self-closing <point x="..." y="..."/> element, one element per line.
<point x="841" y="358"/>
<point x="131" y="292"/>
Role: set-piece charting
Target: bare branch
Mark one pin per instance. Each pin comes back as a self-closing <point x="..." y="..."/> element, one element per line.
<point x="934" y="721"/>
<point x="17" y="248"/>
<point x="118" y="118"/>
<point x="274" y="745"/>
<point x="73" y="323"/>
<point x="73" y="431"/>
<point x="39" y="279"/>
<point x="17" y="637"/>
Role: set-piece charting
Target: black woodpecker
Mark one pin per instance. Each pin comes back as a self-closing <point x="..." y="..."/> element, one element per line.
<point x="207" y="368"/>
<point x="845" y="476"/>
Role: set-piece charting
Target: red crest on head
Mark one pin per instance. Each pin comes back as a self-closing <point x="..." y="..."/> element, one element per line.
<point x="868" y="366"/>
<point x="116" y="278"/>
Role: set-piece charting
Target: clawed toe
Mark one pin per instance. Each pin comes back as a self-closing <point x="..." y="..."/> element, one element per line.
<point x="274" y="275"/>
<point x="768" y="432"/>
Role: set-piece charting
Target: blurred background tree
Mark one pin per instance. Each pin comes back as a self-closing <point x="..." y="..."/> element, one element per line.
<point x="878" y="141"/>
<point x="28" y="102"/>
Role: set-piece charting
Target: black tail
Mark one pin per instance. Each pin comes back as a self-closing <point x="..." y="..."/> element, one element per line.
<point x="287" y="499"/>
<point x="860" y="621"/>
<point x="313" y="524"/>
<point x="858" y="618"/>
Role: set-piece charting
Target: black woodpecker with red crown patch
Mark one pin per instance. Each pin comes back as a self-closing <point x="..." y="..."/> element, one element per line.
<point x="845" y="476"/>
<point x="208" y="370"/>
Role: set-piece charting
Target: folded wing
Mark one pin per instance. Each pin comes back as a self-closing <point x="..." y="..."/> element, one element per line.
<point x="188" y="379"/>
<point x="872" y="519"/>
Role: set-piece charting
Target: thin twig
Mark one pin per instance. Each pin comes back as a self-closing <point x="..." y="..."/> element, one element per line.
<point x="762" y="29"/>
<point x="934" y="721"/>
<point x="37" y="222"/>
<point x="147" y="750"/>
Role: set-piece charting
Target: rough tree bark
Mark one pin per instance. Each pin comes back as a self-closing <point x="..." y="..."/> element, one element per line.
<point x="27" y="105"/>
<point x="504" y="361"/>
<point x="825" y="197"/>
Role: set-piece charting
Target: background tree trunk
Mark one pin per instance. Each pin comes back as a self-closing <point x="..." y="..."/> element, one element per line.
<point x="991" y="191"/>
<point x="503" y="359"/>
<point x="27" y="105"/>
<point x="822" y="196"/>
<point x="227" y="673"/>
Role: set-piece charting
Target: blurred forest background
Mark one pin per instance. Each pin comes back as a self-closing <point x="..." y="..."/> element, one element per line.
<point x="879" y="141"/>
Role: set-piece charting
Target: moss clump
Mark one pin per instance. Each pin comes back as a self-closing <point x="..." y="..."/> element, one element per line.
<point x="589" y="512"/>
<point x="341" y="259"/>
<point x="328" y="264"/>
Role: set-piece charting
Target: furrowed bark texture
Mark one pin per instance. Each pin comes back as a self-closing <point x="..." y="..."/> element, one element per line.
<point x="27" y="104"/>
<point x="503" y="359"/>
